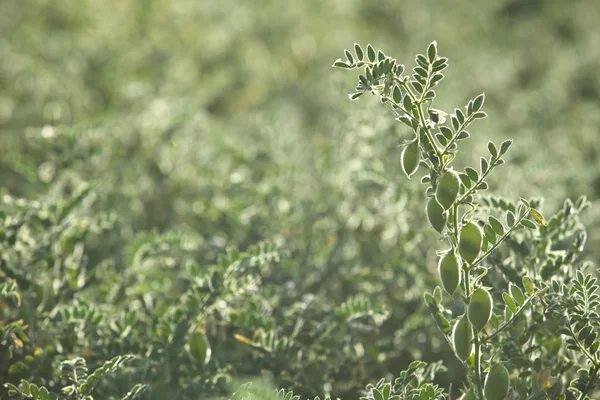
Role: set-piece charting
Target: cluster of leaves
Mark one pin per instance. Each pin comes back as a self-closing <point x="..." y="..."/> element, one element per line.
<point x="509" y="305"/>
<point x="137" y="167"/>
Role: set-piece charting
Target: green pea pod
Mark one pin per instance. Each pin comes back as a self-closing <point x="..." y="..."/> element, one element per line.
<point x="497" y="383"/>
<point x="199" y="348"/>
<point x="410" y="158"/>
<point x="436" y="215"/>
<point x="447" y="189"/>
<point x="470" y="241"/>
<point x="462" y="338"/>
<point x="480" y="308"/>
<point x="449" y="270"/>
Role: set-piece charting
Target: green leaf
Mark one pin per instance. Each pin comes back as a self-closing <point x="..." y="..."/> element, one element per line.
<point x="496" y="225"/>
<point x="377" y="394"/>
<point x="397" y="95"/>
<point x="528" y="223"/>
<point x="492" y="149"/>
<point x="421" y="60"/>
<point x="510" y="219"/>
<point x="490" y="235"/>
<point x="505" y="146"/>
<point x="432" y="52"/>
<point x="528" y="285"/>
<point x="510" y="302"/>
<point x="399" y="70"/>
<point x="359" y="51"/>
<point x="447" y="132"/>
<point x="516" y="293"/>
<point x="386" y="391"/>
<point x="421" y="71"/>
<point x="478" y="102"/>
<point x="418" y="87"/>
<point x="455" y="123"/>
<point x="484" y="165"/>
<point x="349" y="56"/>
<point x="479" y="115"/>
<point x="363" y="79"/>
<point x="371" y="53"/>
<point x="341" y="64"/>
<point x="473" y="175"/>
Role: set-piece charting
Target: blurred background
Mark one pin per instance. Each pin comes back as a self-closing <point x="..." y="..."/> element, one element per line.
<point x="224" y="118"/>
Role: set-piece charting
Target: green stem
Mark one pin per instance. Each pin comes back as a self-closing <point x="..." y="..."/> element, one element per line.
<point x="417" y="102"/>
<point x="478" y="366"/>
<point x="461" y="128"/>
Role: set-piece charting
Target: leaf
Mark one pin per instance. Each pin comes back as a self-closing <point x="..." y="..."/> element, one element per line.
<point x="397" y="95"/>
<point x="473" y="175"/>
<point x="528" y="223"/>
<point x="516" y="293"/>
<point x="354" y="96"/>
<point x="359" y="52"/>
<point x="505" y="146"/>
<point x="432" y="52"/>
<point x="410" y="158"/>
<point x="371" y="53"/>
<point x="377" y="394"/>
<point x="496" y="225"/>
<point x="510" y="302"/>
<point x="490" y="235"/>
<point x="479" y="115"/>
<point x="538" y="217"/>
<point x="363" y="79"/>
<point x="492" y="149"/>
<point x="484" y="165"/>
<point x="447" y="132"/>
<point x="510" y="219"/>
<point x="478" y="102"/>
<point x="418" y="87"/>
<point x="455" y="123"/>
<point x="341" y="64"/>
<point x="349" y="56"/>
<point x="528" y="285"/>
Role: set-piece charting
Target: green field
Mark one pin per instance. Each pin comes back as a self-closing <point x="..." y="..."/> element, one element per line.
<point x="172" y="167"/>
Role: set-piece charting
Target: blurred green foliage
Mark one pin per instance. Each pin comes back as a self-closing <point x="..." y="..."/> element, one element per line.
<point x="142" y="140"/>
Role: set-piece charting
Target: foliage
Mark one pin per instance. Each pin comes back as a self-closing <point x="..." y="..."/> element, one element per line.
<point x="514" y="305"/>
<point x="182" y="182"/>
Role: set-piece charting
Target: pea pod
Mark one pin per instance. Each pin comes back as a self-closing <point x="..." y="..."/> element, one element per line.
<point x="497" y="383"/>
<point x="410" y="158"/>
<point x="470" y="241"/>
<point x="447" y="189"/>
<point x="199" y="348"/>
<point x="436" y="215"/>
<point x="480" y="308"/>
<point x="449" y="270"/>
<point x="462" y="338"/>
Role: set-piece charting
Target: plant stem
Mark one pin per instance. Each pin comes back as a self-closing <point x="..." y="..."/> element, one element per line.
<point x="417" y="102"/>
<point x="478" y="366"/>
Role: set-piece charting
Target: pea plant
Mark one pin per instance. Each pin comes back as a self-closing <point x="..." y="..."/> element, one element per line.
<point x="517" y="305"/>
